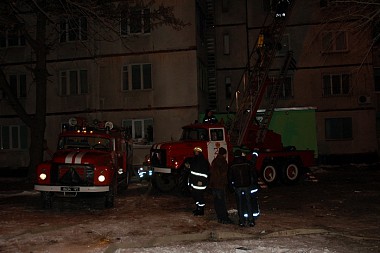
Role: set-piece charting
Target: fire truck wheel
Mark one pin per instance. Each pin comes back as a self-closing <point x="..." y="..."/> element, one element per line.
<point x="164" y="182"/>
<point x="269" y="174"/>
<point x="47" y="200"/>
<point x="290" y="173"/>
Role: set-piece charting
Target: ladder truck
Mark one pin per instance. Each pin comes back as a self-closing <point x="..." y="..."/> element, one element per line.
<point x="169" y="160"/>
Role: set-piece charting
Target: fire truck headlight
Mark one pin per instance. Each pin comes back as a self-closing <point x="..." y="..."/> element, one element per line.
<point x="101" y="178"/>
<point x="43" y="176"/>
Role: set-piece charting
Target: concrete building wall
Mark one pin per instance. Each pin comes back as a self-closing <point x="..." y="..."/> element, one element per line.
<point x="304" y="31"/>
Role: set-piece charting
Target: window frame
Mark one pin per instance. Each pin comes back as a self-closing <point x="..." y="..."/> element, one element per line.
<point x="69" y="88"/>
<point x="287" y="88"/>
<point x="144" y="17"/>
<point x="336" y="129"/>
<point x="332" y="86"/>
<point x="77" y="25"/>
<point x="132" y="129"/>
<point x="6" y="38"/>
<point x="332" y="45"/>
<point x="13" y="137"/>
<point x="129" y="75"/>
<point x="18" y="86"/>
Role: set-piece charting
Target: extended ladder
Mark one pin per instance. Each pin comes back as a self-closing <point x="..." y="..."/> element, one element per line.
<point x="254" y="80"/>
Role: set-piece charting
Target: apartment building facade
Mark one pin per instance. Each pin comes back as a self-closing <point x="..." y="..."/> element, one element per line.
<point x="154" y="81"/>
<point x="149" y="80"/>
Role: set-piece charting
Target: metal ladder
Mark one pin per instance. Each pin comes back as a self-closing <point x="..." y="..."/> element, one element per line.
<point x="254" y="81"/>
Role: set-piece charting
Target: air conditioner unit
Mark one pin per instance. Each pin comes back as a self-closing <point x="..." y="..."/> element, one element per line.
<point x="364" y="100"/>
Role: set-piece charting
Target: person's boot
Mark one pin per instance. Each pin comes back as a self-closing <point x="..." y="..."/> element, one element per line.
<point x="199" y="211"/>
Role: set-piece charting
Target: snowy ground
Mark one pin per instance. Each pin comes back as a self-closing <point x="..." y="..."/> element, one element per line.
<point x="339" y="213"/>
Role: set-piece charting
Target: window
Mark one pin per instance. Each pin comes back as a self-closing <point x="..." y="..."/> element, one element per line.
<point x="286" y="89"/>
<point x="217" y="134"/>
<point x="377" y="79"/>
<point x="228" y="84"/>
<point x="136" y="21"/>
<point x="139" y="129"/>
<point x="338" y="128"/>
<point x="13" y="137"/>
<point x="334" y="41"/>
<point x="73" y="82"/>
<point x="17" y="83"/>
<point x="11" y="38"/>
<point x="73" y="29"/>
<point x="226" y="44"/>
<point x="336" y="84"/>
<point x="137" y="77"/>
<point x="284" y="47"/>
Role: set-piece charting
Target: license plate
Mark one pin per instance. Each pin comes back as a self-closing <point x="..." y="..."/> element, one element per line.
<point x="70" y="189"/>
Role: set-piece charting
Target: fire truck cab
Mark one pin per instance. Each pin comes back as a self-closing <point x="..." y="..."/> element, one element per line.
<point x="90" y="158"/>
<point x="169" y="159"/>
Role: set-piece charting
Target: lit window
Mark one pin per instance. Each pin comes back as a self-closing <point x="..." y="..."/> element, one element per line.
<point x="139" y="129"/>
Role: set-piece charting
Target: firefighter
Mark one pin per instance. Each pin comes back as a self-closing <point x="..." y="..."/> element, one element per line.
<point x="281" y="8"/>
<point x="198" y="180"/>
<point x="210" y="117"/>
<point x="244" y="182"/>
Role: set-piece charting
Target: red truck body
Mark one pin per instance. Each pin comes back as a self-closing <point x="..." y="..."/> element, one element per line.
<point x="274" y="162"/>
<point x="87" y="160"/>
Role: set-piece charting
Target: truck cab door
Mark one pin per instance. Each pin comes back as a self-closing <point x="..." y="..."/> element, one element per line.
<point x="216" y="140"/>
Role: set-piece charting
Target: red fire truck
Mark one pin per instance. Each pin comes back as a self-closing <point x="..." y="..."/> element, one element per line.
<point x="275" y="163"/>
<point x="90" y="158"/>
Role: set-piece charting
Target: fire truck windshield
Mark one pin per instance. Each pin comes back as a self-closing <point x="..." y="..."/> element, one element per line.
<point x="84" y="142"/>
<point x="194" y="134"/>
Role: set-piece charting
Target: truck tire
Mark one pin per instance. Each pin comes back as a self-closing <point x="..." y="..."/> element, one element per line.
<point x="269" y="174"/>
<point x="47" y="200"/>
<point x="290" y="173"/>
<point x="164" y="182"/>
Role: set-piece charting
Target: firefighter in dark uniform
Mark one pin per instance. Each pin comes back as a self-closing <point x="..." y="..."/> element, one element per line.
<point x="198" y="180"/>
<point x="243" y="179"/>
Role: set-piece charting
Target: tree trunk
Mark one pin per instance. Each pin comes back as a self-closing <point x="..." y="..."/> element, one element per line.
<point x="37" y="129"/>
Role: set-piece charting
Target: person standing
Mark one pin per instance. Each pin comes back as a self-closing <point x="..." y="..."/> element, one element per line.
<point x="218" y="185"/>
<point x="198" y="180"/>
<point x="243" y="179"/>
<point x="209" y="117"/>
